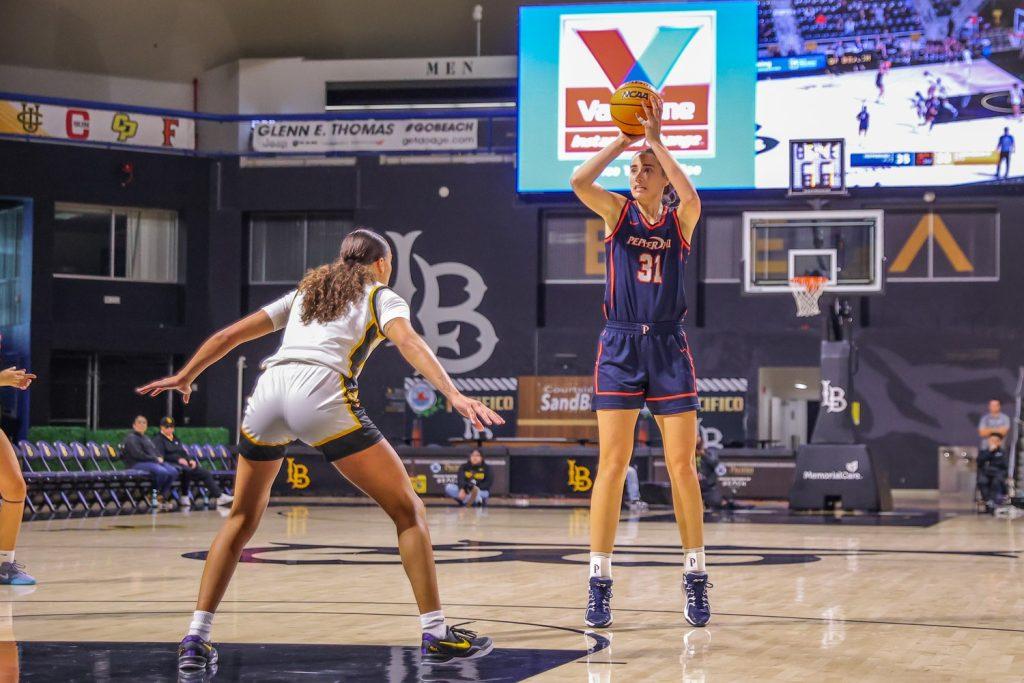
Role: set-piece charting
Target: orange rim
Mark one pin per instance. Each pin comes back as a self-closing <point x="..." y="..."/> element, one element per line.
<point x="809" y="283"/>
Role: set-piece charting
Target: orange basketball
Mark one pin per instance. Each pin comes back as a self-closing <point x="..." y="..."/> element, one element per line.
<point x="626" y="105"/>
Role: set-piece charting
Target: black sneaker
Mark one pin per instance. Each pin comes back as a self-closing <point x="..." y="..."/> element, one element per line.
<point x="196" y="654"/>
<point x="458" y="643"/>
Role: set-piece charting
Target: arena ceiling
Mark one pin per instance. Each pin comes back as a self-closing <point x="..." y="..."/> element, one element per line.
<point x="177" y="40"/>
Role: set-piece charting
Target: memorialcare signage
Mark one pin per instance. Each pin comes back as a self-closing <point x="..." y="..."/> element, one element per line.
<point x="84" y="124"/>
<point x="700" y="57"/>
<point x="369" y="135"/>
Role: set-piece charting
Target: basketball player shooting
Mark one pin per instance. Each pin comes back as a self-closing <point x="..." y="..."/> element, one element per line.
<point x="642" y="354"/>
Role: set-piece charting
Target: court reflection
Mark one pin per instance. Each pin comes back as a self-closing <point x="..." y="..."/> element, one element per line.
<point x="105" y="662"/>
<point x="696" y="656"/>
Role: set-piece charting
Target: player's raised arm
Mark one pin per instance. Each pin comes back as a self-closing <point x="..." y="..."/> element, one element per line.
<point x="605" y="204"/>
<point x="688" y="210"/>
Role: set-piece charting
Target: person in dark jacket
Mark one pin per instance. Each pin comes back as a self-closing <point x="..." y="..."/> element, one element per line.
<point x="140" y="454"/>
<point x="174" y="453"/>
<point x="474" y="481"/>
<point x="709" y="468"/>
<point x="993" y="470"/>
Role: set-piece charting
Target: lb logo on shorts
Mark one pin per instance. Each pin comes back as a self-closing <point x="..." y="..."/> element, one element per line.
<point x="298" y="474"/>
<point x="579" y="477"/>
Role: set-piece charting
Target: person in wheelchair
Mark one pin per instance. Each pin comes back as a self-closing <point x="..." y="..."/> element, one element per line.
<point x="993" y="469"/>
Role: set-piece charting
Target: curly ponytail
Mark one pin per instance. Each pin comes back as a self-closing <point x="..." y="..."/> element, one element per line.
<point x="329" y="290"/>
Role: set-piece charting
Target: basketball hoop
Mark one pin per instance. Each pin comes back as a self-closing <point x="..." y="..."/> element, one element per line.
<point x="807" y="289"/>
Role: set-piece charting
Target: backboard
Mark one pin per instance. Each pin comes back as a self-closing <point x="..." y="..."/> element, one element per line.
<point x="844" y="246"/>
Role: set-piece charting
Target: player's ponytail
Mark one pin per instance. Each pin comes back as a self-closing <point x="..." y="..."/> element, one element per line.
<point x="329" y="290"/>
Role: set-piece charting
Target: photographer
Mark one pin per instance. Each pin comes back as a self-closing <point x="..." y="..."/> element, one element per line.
<point x="993" y="469"/>
<point x="474" y="481"/>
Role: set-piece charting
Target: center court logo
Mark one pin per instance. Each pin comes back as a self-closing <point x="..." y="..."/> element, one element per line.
<point x="673" y="51"/>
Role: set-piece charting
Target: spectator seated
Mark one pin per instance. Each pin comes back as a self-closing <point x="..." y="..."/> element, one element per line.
<point x="826" y="19"/>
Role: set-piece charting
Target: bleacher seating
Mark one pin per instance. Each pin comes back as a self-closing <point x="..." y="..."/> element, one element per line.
<point x="766" y="32"/>
<point x="93" y="478"/>
<point x="826" y="19"/>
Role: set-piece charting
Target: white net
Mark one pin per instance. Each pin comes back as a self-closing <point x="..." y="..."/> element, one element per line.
<point x="807" y="290"/>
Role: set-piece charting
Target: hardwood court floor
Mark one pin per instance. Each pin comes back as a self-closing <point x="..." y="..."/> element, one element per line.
<point x="323" y="583"/>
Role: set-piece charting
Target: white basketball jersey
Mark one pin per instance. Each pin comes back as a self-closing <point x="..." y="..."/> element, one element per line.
<point x="342" y="345"/>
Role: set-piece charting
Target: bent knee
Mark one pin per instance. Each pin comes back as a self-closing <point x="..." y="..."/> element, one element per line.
<point x="410" y="511"/>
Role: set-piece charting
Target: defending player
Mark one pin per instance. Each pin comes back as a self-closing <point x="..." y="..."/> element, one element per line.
<point x="13" y="492"/>
<point x="643" y="355"/>
<point x="307" y="391"/>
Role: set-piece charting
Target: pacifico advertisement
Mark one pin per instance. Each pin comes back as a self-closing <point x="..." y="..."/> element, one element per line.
<point x="572" y="58"/>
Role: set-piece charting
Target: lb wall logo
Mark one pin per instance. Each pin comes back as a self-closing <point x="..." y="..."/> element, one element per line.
<point x="672" y="50"/>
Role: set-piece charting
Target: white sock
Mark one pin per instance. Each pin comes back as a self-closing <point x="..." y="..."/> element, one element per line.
<point x="693" y="560"/>
<point x="601" y="565"/>
<point x="433" y="623"/>
<point x="202" y="624"/>
<point x="6" y="556"/>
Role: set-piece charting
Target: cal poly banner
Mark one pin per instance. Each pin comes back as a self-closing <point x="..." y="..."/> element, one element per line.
<point x="83" y="124"/>
<point x="389" y="135"/>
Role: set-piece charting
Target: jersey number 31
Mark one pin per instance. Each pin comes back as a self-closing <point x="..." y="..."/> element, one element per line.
<point x="650" y="268"/>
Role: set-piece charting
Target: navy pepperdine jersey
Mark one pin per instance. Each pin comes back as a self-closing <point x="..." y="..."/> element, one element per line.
<point x="644" y="268"/>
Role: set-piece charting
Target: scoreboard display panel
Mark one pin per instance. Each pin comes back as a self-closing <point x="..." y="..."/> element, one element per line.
<point x="817" y="167"/>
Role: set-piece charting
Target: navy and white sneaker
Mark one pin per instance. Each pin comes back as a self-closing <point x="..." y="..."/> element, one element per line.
<point x="458" y="643"/>
<point x="14" y="574"/>
<point x="695" y="587"/>
<point x="196" y="655"/>
<point x="599" y="604"/>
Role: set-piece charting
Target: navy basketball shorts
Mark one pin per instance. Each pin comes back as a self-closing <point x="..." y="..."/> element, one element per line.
<point x="644" y="363"/>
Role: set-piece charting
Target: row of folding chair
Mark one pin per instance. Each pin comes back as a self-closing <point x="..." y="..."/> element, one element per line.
<point x="91" y="475"/>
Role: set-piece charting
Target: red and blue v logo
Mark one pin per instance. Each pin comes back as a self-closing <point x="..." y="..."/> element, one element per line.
<point x="618" y="63"/>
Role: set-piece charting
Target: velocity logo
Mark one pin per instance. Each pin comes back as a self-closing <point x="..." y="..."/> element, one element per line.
<point x="618" y="63"/>
<point x="673" y="51"/>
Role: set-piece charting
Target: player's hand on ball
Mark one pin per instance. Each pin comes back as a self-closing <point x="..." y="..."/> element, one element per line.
<point x="627" y="140"/>
<point x="651" y="120"/>
<point x="476" y="412"/>
<point x="15" y="377"/>
<point x="172" y="383"/>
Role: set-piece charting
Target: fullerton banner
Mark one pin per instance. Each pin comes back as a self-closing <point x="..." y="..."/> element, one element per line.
<point x="365" y="135"/>
<point x="82" y="124"/>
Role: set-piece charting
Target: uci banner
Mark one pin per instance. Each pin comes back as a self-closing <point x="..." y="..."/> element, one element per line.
<point x="85" y="124"/>
<point x="390" y="135"/>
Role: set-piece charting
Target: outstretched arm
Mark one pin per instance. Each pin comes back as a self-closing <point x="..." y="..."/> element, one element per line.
<point x="605" y="204"/>
<point x="688" y="211"/>
<point x="418" y="355"/>
<point x="212" y="350"/>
